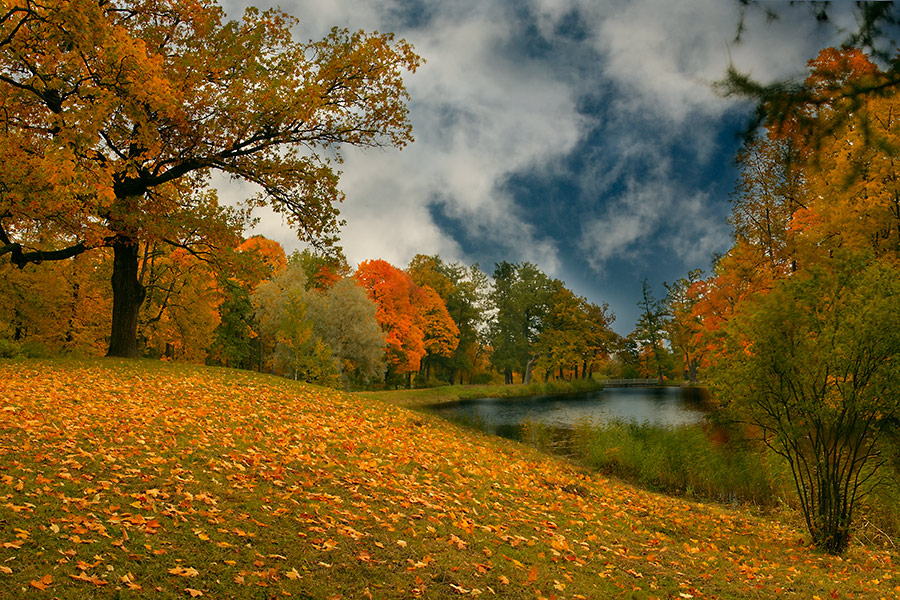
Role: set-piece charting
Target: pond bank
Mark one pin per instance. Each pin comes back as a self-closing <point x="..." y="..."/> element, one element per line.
<point x="448" y="394"/>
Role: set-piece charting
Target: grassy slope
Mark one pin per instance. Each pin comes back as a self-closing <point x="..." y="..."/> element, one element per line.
<point x="149" y="480"/>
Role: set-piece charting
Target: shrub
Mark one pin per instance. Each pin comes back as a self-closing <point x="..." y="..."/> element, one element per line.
<point x="9" y="349"/>
<point x="34" y="349"/>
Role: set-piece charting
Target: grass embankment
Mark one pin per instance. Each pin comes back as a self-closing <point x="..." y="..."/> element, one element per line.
<point x="151" y="480"/>
<point x="420" y="397"/>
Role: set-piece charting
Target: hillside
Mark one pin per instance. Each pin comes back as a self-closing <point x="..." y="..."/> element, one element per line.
<point x="141" y="479"/>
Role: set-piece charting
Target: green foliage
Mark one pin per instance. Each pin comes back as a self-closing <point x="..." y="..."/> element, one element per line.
<point x="816" y="366"/>
<point x="343" y="317"/>
<point x="649" y="333"/>
<point x="521" y="296"/>
<point x="236" y="340"/>
<point x="464" y="292"/>
<point x="9" y="349"/>
<point x="318" y="336"/>
<point x="34" y="349"/>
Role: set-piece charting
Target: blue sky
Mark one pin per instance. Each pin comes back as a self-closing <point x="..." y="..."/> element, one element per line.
<point x="581" y="135"/>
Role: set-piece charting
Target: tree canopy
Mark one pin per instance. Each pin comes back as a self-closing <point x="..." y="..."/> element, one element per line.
<point x="115" y="115"/>
<point x="797" y="320"/>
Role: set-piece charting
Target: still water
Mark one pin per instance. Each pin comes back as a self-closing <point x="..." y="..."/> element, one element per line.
<point x="504" y="416"/>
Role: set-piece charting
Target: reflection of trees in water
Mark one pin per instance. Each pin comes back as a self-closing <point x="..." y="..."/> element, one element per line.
<point x="505" y="417"/>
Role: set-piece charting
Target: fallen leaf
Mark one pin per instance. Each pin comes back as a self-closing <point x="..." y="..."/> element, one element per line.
<point x="42" y="583"/>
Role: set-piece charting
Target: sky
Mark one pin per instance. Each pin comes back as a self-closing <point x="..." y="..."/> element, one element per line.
<point x="581" y="135"/>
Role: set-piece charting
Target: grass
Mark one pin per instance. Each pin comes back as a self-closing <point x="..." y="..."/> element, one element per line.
<point x="134" y="479"/>
<point x="684" y="460"/>
<point x="421" y="397"/>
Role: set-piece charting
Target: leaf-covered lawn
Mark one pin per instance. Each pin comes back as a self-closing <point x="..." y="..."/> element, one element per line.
<point x="151" y="480"/>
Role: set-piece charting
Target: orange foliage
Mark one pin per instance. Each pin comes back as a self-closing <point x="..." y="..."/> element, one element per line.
<point x="269" y="255"/>
<point x="441" y="335"/>
<point x="414" y="318"/>
<point x="743" y="272"/>
<point x="392" y="290"/>
<point x="181" y="311"/>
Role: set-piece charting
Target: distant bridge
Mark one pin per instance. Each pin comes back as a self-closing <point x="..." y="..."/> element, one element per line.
<point x="624" y="383"/>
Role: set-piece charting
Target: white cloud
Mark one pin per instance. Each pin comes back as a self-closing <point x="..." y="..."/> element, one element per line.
<point x="483" y="112"/>
<point x="662" y="58"/>
<point x="478" y="117"/>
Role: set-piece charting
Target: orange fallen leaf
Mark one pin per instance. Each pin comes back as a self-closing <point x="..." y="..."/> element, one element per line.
<point x="532" y="574"/>
<point x="42" y="583"/>
<point x="194" y="593"/>
<point x="89" y="578"/>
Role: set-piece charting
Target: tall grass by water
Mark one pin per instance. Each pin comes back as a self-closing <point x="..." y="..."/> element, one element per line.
<point x="684" y="460"/>
<point x="702" y="462"/>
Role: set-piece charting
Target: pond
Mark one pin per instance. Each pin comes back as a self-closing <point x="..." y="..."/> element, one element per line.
<point x="505" y="416"/>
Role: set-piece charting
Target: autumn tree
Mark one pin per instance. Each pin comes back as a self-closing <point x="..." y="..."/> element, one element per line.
<point x="575" y="334"/>
<point x="816" y="366"/>
<point x="391" y="290"/>
<point x="181" y="310"/>
<point x="115" y="115"/>
<point x="463" y="290"/>
<point x="439" y="333"/>
<point x="322" y="269"/>
<point x="684" y="327"/>
<point x="599" y="340"/>
<point x="236" y="341"/>
<point x="769" y="190"/>
<point x="808" y="350"/>
<point x="59" y="308"/>
<point x="797" y="100"/>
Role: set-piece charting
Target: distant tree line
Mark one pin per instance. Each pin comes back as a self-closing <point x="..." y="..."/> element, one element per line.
<point x="310" y="316"/>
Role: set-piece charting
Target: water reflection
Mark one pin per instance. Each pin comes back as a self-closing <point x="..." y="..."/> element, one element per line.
<point x="504" y="416"/>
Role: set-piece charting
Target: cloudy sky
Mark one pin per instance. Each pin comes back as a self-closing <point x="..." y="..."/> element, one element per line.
<point x="581" y="135"/>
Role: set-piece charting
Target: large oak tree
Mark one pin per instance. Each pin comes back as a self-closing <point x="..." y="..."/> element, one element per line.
<point x="114" y="114"/>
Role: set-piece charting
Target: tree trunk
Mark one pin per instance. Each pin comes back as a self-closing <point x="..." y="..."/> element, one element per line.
<point x="692" y="373"/>
<point x="526" y="376"/>
<point x="128" y="295"/>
